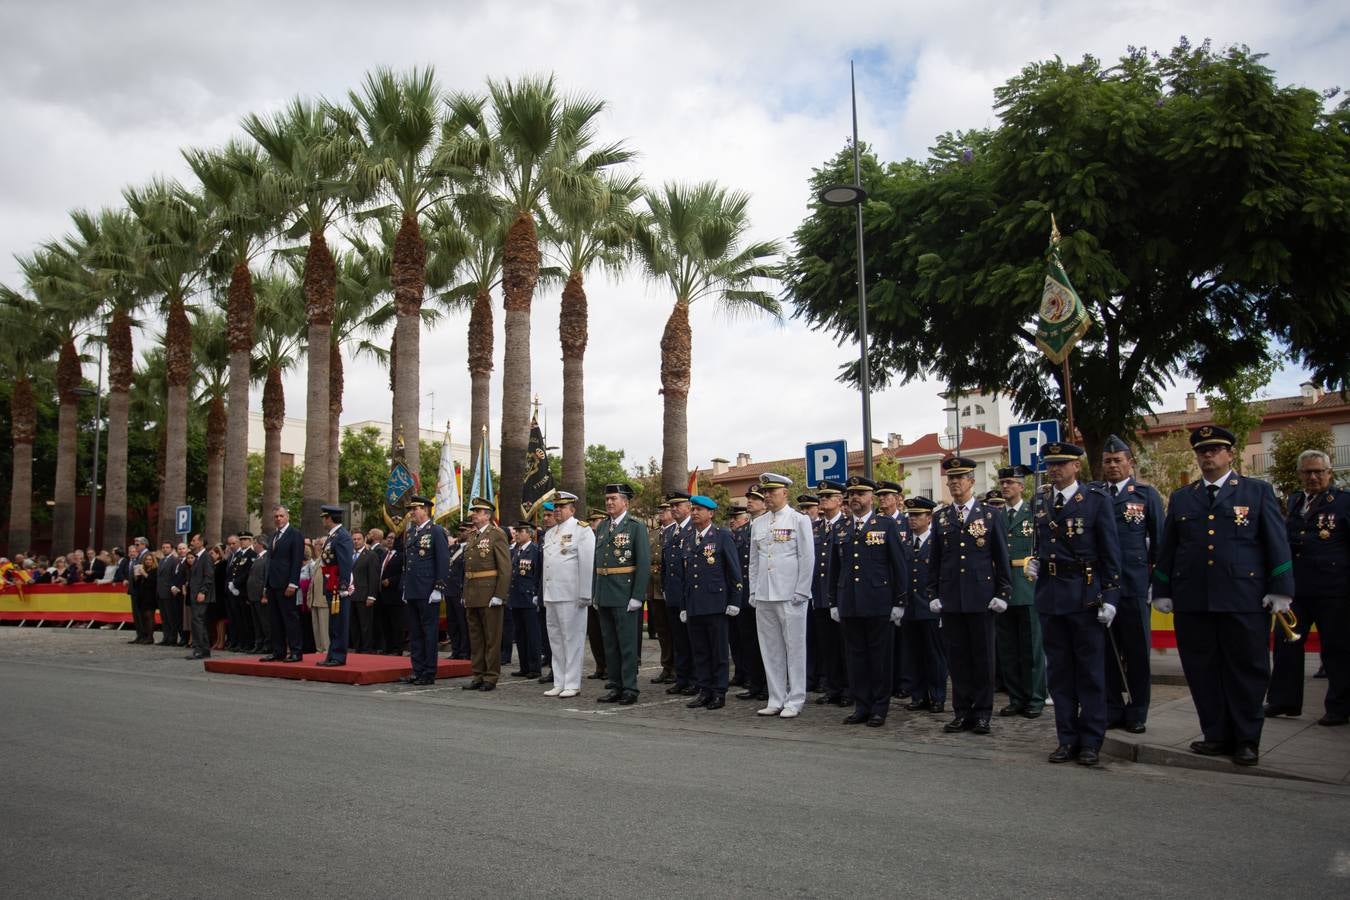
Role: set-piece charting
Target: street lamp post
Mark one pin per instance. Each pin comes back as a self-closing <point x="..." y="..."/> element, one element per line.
<point x="97" y="393"/>
<point x="854" y="195"/>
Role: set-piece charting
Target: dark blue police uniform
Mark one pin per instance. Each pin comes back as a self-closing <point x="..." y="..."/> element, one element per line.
<point x="456" y="620"/>
<point x="746" y="630"/>
<point x="922" y="628"/>
<point x="337" y="554"/>
<point x="712" y="582"/>
<point x="674" y="540"/>
<point x="426" y="569"/>
<point x="829" y="636"/>
<point x="523" y="599"/>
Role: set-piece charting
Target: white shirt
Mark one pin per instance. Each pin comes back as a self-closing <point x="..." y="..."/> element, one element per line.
<point x="615" y="521"/>
<point x="923" y="538"/>
<point x="1221" y="481"/>
<point x="782" y="556"/>
<point x="1016" y="508"/>
<point x="1121" y="485"/>
<point x="965" y="508"/>
<point x="1067" y="493"/>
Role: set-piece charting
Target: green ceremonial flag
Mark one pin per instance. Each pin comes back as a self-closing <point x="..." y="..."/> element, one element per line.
<point x="1064" y="319"/>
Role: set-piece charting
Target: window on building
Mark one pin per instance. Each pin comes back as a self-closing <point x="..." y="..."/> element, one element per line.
<point x="966" y="411"/>
<point x="979" y="410"/>
<point x="287" y="460"/>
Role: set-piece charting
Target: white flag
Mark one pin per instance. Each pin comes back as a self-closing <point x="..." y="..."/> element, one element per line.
<point x="447" y="486"/>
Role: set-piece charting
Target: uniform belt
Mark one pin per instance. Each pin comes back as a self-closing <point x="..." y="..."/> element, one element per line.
<point x="615" y="570"/>
<point x="1068" y="567"/>
<point x="489" y="574"/>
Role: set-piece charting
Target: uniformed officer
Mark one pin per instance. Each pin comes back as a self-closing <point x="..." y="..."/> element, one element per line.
<point x="1021" y="658"/>
<point x="746" y="629"/>
<point x="337" y="584"/>
<point x="593" y="637"/>
<point x="487" y="581"/>
<point x="809" y="506"/>
<point x="658" y="618"/>
<point x="426" y="565"/>
<point x="969" y="581"/>
<point x="456" y="621"/>
<point x="870" y="590"/>
<point x="1138" y="513"/>
<point x="569" y="561"/>
<point x="622" y="567"/>
<point x="712" y="588"/>
<point x="922" y="631"/>
<point x="828" y="634"/>
<point x="1318" y="526"/>
<point x="1224" y="566"/>
<point x="1077" y="576"/>
<point x="523" y="598"/>
<point x="674" y="544"/>
<point x="782" y="561"/>
<point x="995" y="499"/>
<point x="738" y="521"/>
<point x="890" y="502"/>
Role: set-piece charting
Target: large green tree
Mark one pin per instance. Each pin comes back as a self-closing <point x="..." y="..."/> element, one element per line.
<point x="30" y="340"/>
<point x="1203" y="210"/>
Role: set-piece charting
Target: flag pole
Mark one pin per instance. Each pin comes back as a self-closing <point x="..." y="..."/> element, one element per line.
<point x="1068" y="397"/>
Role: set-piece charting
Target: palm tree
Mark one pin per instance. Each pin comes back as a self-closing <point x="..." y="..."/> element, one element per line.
<point x="178" y="241"/>
<point x="538" y="149"/>
<point x="585" y="232"/>
<point x="213" y="353"/>
<point x="30" y="340"/>
<point x="245" y="218"/>
<point x="694" y="244"/>
<point x="309" y="171"/>
<point x="281" y="313"/>
<point x="146" y="404"/>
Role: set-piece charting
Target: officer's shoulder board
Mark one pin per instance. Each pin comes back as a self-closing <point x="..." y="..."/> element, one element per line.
<point x="1098" y="488"/>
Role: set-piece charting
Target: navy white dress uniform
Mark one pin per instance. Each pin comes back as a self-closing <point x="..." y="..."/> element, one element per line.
<point x="426" y="570"/>
<point x="827" y="634"/>
<point x="712" y="589"/>
<point x="523" y="599"/>
<point x="569" y="560"/>
<point x="1223" y="565"/>
<point x="1077" y="575"/>
<point x="782" y="561"/>
<point x="922" y="631"/>
<point x="967" y="573"/>
<point x="1138" y="512"/>
<point x="337" y="560"/>
<point x="1319" y="538"/>
<point x="870" y="589"/>
<point x="675" y="539"/>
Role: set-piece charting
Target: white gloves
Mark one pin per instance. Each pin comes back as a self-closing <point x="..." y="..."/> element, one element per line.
<point x="897" y="613"/>
<point x="1032" y="568"/>
<point x="1276" y="603"/>
<point x="834" y="613"/>
<point x="733" y="611"/>
<point x="998" y="605"/>
<point x="684" y="615"/>
<point x="1162" y="604"/>
<point x="583" y="602"/>
<point x="935" y="605"/>
<point x="233" y="590"/>
<point x="753" y="604"/>
<point x="436" y="597"/>
<point x="634" y="605"/>
<point x="536" y="602"/>
<point x="799" y="599"/>
<point x="1106" y="614"/>
<point x="495" y="601"/>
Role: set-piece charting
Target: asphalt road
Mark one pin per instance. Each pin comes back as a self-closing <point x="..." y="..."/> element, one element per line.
<point x="130" y="772"/>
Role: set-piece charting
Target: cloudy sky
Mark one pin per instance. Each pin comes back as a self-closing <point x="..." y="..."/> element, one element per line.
<point x="753" y="94"/>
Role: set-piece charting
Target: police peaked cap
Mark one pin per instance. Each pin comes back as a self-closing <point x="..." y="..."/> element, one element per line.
<point x="620" y="487"/>
<point x="774" y="480"/>
<point x="417" y="500"/>
<point x="829" y="489"/>
<point x="808" y="500"/>
<point x="1212" y="436"/>
<point x="332" y="512"/>
<point x="857" y="484"/>
<point x="1015" y="472"/>
<point x="917" y="505"/>
<point x="888" y="487"/>
<point x="958" y="465"/>
<point x="1060" y="451"/>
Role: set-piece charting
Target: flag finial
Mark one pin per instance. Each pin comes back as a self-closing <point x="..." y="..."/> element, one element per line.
<point x="1054" y="232"/>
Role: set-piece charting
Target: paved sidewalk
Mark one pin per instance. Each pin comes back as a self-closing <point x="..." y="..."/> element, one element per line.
<point x="1290" y="748"/>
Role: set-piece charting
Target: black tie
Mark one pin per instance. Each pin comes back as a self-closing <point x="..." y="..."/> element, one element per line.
<point x="1059" y="501"/>
<point x="1213" y="492"/>
<point x="1114" y="490"/>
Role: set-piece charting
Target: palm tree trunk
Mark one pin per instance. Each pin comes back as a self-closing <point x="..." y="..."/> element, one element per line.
<point x="63" y="513"/>
<point x="520" y="273"/>
<point x="320" y="288"/>
<point x="409" y="281"/>
<point x="178" y="368"/>
<point x="336" y="385"/>
<point x="274" y="416"/>
<point x="120" y="370"/>
<point x="572" y="333"/>
<point x="162" y="440"/>
<point x="676" y="355"/>
<point x="480" y="373"/>
<point x="215" y="471"/>
<point x="240" y="313"/>
<point x="23" y="415"/>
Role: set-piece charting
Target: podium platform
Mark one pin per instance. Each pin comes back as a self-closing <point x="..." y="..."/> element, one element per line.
<point x="361" y="668"/>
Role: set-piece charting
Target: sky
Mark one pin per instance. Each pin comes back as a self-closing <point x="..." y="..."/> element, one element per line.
<point x="96" y="97"/>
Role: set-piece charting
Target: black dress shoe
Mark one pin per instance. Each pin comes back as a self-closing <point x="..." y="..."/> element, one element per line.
<point x="718" y="701"/>
<point x="1031" y="712"/>
<point x="822" y="700"/>
<point x="521" y="673"/>
<point x="1063" y="753"/>
<point x="330" y="662"/>
<point x="294" y="658"/>
<point x="981" y="725"/>
<point x="424" y="681"/>
<point x="611" y="697"/>
<point x="1087" y="757"/>
<point x="1012" y="709"/>
<point x="628" y="698"/>
<point x="271" y="657"/>
<point x="1331" y="720"/>
<point x="1135" y="727"/>
<point x="535" y="676"/>
<point x="938" y="708"/>
<point x="762" y="694"/>
<point x="407" y="679"/>
<point x="1246" y="755"/>
<point x="197" y="656"/>
<point x="545" y="679"/>
<point x="1272" y="710"/>
<point x="960" y="723"/>
<point x="676" y="688"/>
<point x="746" y="695"/>
<point x="700" y="700"/>
<point x="738" y="681"/>
<point x="595" y="675"/>
<point x="488" y="686"/>
<point x="167" y="643"/>
<point x="1211" y="748"/>
<point x="855" y="719"/>
<point x="688" y="690"/>
<point x="472" y="686"/>
<point x="876" y="721"/>
<point x="915" y="705"/>
<point x="901" y="695"/>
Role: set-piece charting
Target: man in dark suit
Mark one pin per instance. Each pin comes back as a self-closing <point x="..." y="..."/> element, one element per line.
<point x="675" y="538"/>
<point x="369" y="554"/>
<point x="523" y="598"/>
<point x="870" y="588"/>
<point x="283" y="586"/>
<point x="969" y="582"/>
<point x="456" y="619"/>
<point x="425" y="570"/>
<point x="712" y="589"/>
<point x="829" y="638"/>
<point x="201" y="590"/>
<point x="129" y="569"/>
<point x="337" y="585"/>
<point x="236" y="588"/>
<point x="389" y="625"/>
<point x="922" y="631"/>
<point x="170" y="604"/>
<point x="1224" y="566"/>
<point x="253" y="592"/>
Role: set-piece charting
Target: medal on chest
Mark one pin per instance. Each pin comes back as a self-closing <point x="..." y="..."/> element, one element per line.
<point x="1325" y="525"/>
<point x="1027" y="528"/>
<point x="424" y="545"/>
<point x="782" y="535"/>
<point x="977" y="529"/>
<point x="484" y="547"/>
<point x="526" y="566"/>
<point x="1240" y="515"/>
<point x="874" y="538"/>
<point x="1133" y="513"/>
<point x="709" y="553"/>
<point x="623" y="546"/>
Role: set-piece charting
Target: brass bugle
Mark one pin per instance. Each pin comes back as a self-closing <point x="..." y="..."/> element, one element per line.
<point x="1288" y="622"/>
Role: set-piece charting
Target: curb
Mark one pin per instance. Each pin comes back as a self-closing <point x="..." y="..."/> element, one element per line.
<point x="1154" y="754"/>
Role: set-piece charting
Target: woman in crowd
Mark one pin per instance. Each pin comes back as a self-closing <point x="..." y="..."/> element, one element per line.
<point x="144" y="580"/>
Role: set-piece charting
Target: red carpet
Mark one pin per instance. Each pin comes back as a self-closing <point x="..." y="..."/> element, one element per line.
<point x="361" y="668"/>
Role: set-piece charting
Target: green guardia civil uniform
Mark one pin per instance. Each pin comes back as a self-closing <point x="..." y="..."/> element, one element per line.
<point x="1021" y="659"/>
<point x="623" y="560"/>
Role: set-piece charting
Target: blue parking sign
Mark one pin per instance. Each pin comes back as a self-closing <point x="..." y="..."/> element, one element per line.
<point x="182" y="518"/>
<point x="1026" y="440"/>
<point x="827" y="461"/>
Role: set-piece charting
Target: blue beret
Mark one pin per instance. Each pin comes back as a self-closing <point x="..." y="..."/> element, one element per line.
<point x="705" y="502"/>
